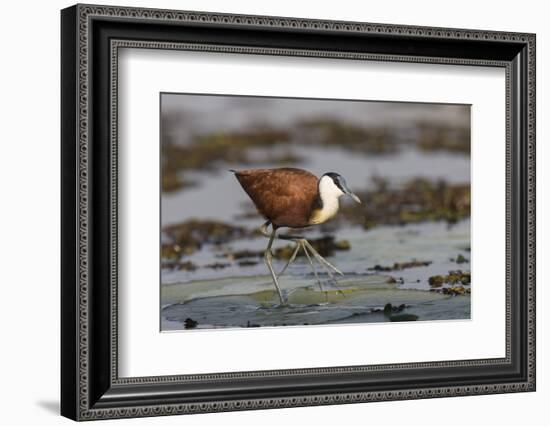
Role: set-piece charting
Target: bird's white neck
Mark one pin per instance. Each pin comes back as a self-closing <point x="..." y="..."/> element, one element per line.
<point x="329" y="194"/>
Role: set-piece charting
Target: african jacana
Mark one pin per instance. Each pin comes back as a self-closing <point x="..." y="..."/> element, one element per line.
<point x="294" y="198"/>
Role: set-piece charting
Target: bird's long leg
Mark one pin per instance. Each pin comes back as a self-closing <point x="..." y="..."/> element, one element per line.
<point x="305" y="243"/>
<point x="321" y="259"/>
<point x="329" y="272"/>
<point x="291" y="259"/>
<point x="314" y="252"/>
<point x="265" y="232"/>
<point x="311" y="264"/>
<point x="300" y="242"/>
<point x="268" y="260"/>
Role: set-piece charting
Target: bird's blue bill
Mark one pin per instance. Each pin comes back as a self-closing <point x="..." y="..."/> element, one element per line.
<point x="347" y="191"/>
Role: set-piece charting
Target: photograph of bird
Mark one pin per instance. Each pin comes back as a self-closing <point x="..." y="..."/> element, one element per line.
<point x="294" y="198"/>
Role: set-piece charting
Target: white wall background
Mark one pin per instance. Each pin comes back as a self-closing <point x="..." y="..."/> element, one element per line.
<point x="29" y="223"/>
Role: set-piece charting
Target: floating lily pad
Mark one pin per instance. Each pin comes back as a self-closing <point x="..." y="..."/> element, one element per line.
<point x="253" y="302"/>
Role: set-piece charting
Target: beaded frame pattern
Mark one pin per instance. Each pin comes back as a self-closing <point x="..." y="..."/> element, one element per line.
<point x="86" y="12"/>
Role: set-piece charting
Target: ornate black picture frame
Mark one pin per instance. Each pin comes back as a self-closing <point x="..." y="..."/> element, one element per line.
<point x="91" y="387"/>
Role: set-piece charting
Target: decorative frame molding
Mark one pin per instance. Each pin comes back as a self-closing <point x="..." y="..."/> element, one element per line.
<point x="91" y="388"/>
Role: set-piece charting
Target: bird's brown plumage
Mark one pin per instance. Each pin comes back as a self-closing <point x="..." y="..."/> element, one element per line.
<point x="285" y="196"/>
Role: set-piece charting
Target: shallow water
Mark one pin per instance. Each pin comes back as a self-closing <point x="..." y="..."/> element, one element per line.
<point x="384" y="245"/>
<point x="238" y="296"/>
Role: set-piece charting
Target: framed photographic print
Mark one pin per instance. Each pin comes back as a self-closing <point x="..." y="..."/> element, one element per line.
<point x="263" y="212"/>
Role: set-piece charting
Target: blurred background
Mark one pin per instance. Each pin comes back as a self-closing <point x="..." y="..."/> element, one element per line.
<point x="408" y="162"/>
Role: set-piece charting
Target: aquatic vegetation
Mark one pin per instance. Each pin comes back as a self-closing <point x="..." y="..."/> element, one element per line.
<point x="186" y="266"/>
<point x="217" y="265"/>
<point x="394" y="313"/>
<point x="455" y="280"/>
<point x="241" y="254"/>
<point x="403" y="317"/>
<point x="399" y="266"/>
<point x="192" y="233"/>
<point x="434" y="137"/>
<point x="187" y="237"/>
<point x="389" y="308"/>
<point x="250" y="301"/>
<point x="170" y="252"/>
<point x="247" y="263"/>
<point x="177" y="264"/>
<point x="436" y="281"/>
<point x="325" y="246"/>
<point x="190" y="323"/>
<point x="418" y="200"/>
<point x="455" y="290"/>
<point x="170" y="181"/>
<point x="460" y="259"/>
<point x="285" y="159"/>
<point x="328" y="131"/>
<point x="455" y="277"/>
<point x="207" y="150"/>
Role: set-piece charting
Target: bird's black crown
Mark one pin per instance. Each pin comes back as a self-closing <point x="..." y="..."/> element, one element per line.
<point x="337" y="179"/>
